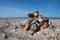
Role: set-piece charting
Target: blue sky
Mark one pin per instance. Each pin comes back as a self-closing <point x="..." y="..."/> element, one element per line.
<point x="20" y="8"/>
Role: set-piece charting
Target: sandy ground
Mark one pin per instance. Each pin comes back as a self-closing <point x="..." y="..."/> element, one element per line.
<point x="10" y="29"/>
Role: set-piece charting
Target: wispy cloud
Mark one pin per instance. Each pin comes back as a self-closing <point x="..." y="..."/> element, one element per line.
<point x="11" y="12"/>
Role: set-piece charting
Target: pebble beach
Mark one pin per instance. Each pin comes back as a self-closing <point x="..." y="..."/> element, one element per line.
<point x="10" y="29"/>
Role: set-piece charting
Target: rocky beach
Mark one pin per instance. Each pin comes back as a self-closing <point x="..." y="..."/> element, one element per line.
<point x="10" y="29"/>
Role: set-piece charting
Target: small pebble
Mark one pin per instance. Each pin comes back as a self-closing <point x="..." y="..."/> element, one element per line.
<point x="57" y="29"/>
<point x="3" y="35"/>
<point x="16" y="27"/>
<point x="30" y="35"/>
<point x="37" y="32"/>
<point x="52" y="34"/>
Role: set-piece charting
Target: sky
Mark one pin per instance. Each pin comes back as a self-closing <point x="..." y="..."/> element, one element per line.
<point x="20" y="8"/>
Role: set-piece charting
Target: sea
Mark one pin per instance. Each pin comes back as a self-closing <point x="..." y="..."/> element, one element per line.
<point x="26" y="18"/>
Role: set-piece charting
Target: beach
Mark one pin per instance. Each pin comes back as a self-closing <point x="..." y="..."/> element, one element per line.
<point x="10" y="29"/>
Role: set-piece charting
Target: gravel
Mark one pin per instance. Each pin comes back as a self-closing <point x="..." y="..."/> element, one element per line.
<point x="11" y="30"/>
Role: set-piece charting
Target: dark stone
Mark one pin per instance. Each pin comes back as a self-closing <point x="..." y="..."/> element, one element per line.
<point x="1" y="29"/>
<point x="16" y="27"/>
<point x="5" y="36"/>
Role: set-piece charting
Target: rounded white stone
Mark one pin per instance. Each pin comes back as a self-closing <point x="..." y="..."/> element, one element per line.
<point x="3" y="35"/>
<point x="57" y="29"/>
<point x="37" y="32"/>
<point x="52" y="34"/>
<point x="29" y="35"/>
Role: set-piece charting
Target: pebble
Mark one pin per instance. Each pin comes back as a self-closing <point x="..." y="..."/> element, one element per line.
<point x="3" y="35"/>
<point x="52" y="34"/>
<point x="57" y="29"/>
